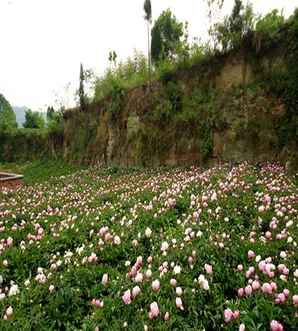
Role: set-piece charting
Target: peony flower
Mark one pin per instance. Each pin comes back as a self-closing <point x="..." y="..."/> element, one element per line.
<point x="164" y="246"/>
<point x="167" y="316"/>
<point x="276" y="326"/>
<point x="117" y="240"/>
<point x="179" y="303"/>
<point x="228" y="315"/>
<point x="9" y="311"/>
<point x="248" y="290"/>
<point x="154" y="310"/>
<point x="136" y="291"/>
<point x="155" y="285"/>
<point x="179" y="291"/>
<point x="148" y="232"/>
<point x="105" y="279"/>
<point x="251" y="254"/>
<point x="208" y="268"/>
<point x="173" y="282"/>
<point x="14" y="290"/>
<point x="203" y="282"/>
<point x="295" y="300"/>
<point x="127" y="297"/>
<point x="177" y="270"/>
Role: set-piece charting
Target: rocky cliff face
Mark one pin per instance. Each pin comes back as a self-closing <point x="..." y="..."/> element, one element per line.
<point x="222" y="113"/>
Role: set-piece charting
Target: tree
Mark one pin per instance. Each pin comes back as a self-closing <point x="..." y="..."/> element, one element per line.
<point x="113" y="58"/>
<point x="34" y="120"/>
<point x="148" y="18"/>
<point x="7" y="116"/>
<point x="82" y="96"/>
<point x="166" y="37"/>
<point x="50" y="113"/>
<point x="268" y="27"/>
<point x="235" y="27"/>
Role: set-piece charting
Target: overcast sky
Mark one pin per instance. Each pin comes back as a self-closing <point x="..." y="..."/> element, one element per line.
<point x="43" y="41"/>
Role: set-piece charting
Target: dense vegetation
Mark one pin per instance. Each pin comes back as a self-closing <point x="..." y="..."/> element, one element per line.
<point x="256" y="39"/>
<point x="180" y="249"/>
<point x="7" y="116"/>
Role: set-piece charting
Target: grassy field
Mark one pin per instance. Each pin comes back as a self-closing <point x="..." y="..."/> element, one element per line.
<point x="40" y="170"/>
<point x="164" y="249"/>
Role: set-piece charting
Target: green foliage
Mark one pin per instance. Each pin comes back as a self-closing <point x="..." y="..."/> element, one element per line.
<point x="148" y="10"/>
<point x="116" y="101"/>
<point x="34" y="120"/>
<point x="7" y="115"/>
<point x="283" y="81"/>
<point x="131" y="73"/>
<point x="72" y="211"/>
<point x="270" y="24"/>
<point x="82" y="96"/>
<point x="23" y="144"/>
<point x="166" y="37"/>
<point x="40" y="170"/>
<point x="235" y="28"/>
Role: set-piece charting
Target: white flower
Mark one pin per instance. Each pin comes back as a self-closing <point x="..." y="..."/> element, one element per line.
<point x="179" y="291"/>
<point x="164" y="246"/>
<point x="203" y="282"/>
<point x="2" y="296"/>
<point x="14" y="290"/>
<point x="283" y="254"/>
<point x="296" y="273"/>
<point x="177" y="270"/>
<point x="139" y="277"/>
<point x="9" y="311"/>
<point x="148" y="232"/>
<point x="1" y="279"/>
<point x="117" y="240"/>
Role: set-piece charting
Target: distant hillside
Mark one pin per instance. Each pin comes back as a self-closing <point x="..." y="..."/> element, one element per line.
<point x="20" y="114"/>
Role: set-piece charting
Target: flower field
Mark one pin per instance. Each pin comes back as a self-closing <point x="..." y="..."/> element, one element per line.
<point x="163" y="249"/>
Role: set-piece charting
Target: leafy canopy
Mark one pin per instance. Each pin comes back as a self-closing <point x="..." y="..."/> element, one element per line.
<point x="166" y="37"/>
<point x="148" y="10"/>
<point x="7" y="115"/>
<point x="34" y="120"/>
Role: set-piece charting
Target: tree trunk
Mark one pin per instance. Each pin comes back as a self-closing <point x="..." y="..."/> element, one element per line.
<point x="149" y="52"/>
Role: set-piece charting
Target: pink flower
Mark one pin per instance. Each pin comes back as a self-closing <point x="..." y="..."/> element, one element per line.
<point x="248" y="290"/>
<point x="154" y="310"/>
<point x="276" y="326"/>
<point x="208" y="268"/>
<point x="173" y="282"/>
<point x="281" y="298"/>
<point x="266" y="288"/>
<point x="236" y="314"/>
<point x="136" y="291"/>
<point x="155" y="285"/>
<point x="240" y="292"/>
<point x="251" y="254"/>
<point x="127" y="297"/>
<point x="228" y="315"/>
<point x="295" y="300"/>
<point x="256" y="285"/>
